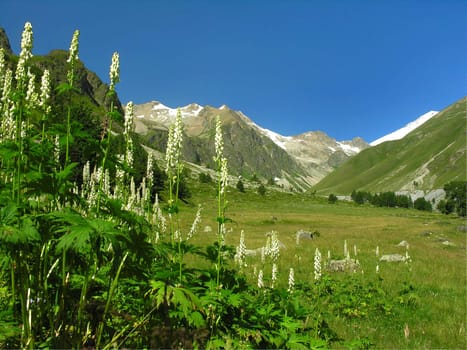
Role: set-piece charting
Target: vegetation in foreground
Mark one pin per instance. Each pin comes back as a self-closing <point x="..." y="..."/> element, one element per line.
<point x="91" y="258"/>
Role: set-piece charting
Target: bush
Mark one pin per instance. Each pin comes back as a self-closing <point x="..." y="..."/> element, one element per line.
<point x="456" y="193"/>
<point x="332" y="198"/>
<point x="261" y="190"/>
<point x="205" y="178"/>
<point x="240" y="186"/>
<point x="422" y="204"/>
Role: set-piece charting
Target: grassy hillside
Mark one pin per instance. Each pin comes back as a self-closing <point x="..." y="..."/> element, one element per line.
<point x="427" y="158"/>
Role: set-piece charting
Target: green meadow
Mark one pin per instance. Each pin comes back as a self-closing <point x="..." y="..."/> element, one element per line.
<point x="428" y="295"/>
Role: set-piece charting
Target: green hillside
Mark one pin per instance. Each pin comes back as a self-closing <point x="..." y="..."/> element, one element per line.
<point x="427" y="158"/>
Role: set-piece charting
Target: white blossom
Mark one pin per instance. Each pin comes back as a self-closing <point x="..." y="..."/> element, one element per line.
<point x="275" y="247"/>
<point x="241" y="251"/>
<point x="291" y="281"/>
<point x="223" y="175"/>
<point x="45" y="92"/>
<point x="317" y="264"/>
<point x="2" y="67"/>
<point x="114" y="71"/>
<point x="174" y="145"/>
<point x="25" y="54"/>
<point x="32" y="98"/>
<point x="73" y="56"/>
<point x="260" y="279"/>
<point x="57" y="149"/>
<point x="73" y="52"/>
<point x="274" y="275"/>
<point x="218" y="141"/>
<point x="195" y="224"/>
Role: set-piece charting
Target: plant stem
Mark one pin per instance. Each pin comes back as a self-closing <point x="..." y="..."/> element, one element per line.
<point x="110" y="293"/>
<point x="104" y="160"/>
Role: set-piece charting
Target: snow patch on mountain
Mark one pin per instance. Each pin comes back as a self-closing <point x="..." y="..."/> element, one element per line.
<point x="276" y="138"/>
<point x="349" y="149"/>
<point x="400" y="133"/>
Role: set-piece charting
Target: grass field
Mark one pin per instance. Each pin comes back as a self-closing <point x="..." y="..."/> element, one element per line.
<point x="416" y="305"/>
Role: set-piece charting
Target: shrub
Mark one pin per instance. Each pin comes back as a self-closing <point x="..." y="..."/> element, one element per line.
<point x="332" y="198"/>
<point x="261" y="190"/>
<point x="422" y="204"/>
<point x="456" y="193"/>
<point x="240" y="186"/>
<point x="205" y="178"/>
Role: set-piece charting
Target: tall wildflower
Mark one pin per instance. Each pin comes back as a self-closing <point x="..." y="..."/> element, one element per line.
<point x="2" y="68"/>
<point x="128" y="126"/>
<point x="275" y="247"/>
<point x="195" y="224"/>
<point x="73" y="57"/>
<point x="218" y="141"/>
<point x="44" y="97"/>
<point x="291" y="287"/>
<point x="260" y="279"/>
<point x="24" y="56"/>
<point x="274" y="275"/>
<point x="221" y="163"/>
<point x="7" y="122"/>
<point x="173" y="167"/>
<point x="240" y="253"/>
<point x="32" y="98"/>
<point x="114" y="72"/>
<point x="317" y="264"/>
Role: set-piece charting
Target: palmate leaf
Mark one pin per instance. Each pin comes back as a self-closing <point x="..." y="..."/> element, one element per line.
<point x="78" y="230"/>
<point x="9" y="214"/>
<point x="26" y="232"/>
<point x="8" y="150"/>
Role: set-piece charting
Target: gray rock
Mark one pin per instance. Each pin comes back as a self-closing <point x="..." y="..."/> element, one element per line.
<point x="448" y="243"/>
<point x="403" y="244"/>
<point x="392" y="258"/>
<point x="343" y="265"/>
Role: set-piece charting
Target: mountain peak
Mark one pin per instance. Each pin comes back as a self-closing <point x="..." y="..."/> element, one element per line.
<point x="400" y="133"/>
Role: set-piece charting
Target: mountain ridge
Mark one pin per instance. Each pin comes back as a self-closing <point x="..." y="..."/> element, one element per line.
<point x="300" y="160"/>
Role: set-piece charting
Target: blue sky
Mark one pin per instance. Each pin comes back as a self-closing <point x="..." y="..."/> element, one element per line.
<point x="348" y="68"/>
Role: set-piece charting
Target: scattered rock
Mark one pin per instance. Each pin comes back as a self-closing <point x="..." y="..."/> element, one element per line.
<point x="403" y="244"/>
<point x="462" y="228"/>
<point x="304" y="235"/>
<point x="207" y="229"/>
<point x="448" y="243"/>
<point x="344" y="265"/>
<point x="392" y="258"/>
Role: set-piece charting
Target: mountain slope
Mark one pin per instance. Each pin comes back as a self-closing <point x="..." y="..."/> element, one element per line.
<point x="427" y="158"/>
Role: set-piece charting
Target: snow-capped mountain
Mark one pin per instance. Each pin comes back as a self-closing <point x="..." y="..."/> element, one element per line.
<point x="305" y="158"/>
<point x="400" y="133"/>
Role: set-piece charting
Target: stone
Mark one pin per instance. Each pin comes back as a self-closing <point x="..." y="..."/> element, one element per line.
<point x="343" y="265"/>
<point x="403" y="244"/>
<point x="392" y="258"/>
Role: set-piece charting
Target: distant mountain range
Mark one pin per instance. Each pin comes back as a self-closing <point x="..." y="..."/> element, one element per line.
<point x="299" y="161"/>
